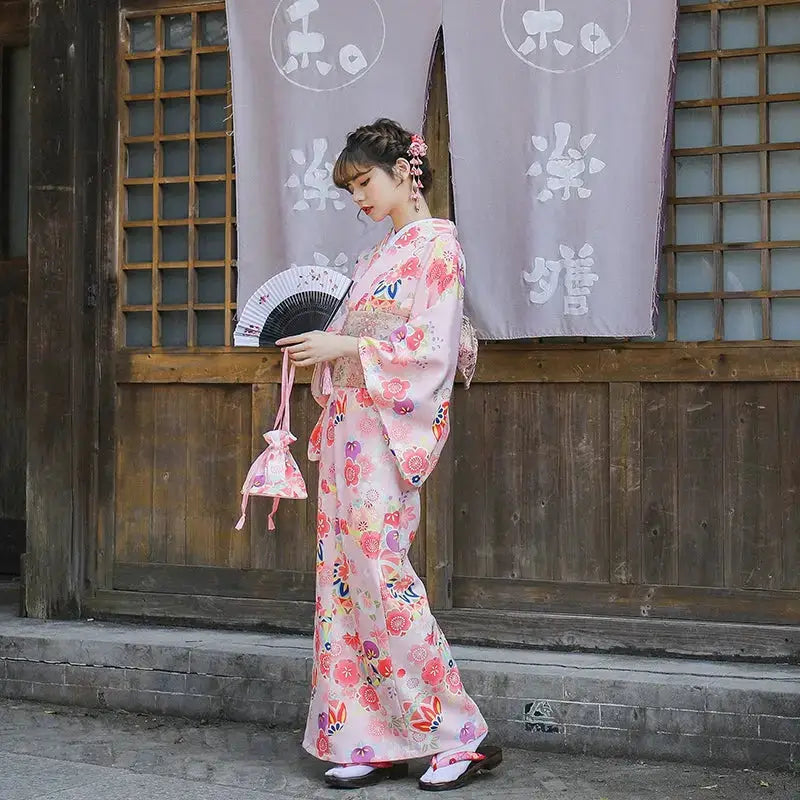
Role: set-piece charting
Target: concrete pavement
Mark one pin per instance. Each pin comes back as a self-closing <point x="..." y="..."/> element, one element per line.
<point x="52" y="752"/>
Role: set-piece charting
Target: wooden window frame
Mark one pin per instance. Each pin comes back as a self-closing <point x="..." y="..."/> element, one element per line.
<point x="159" y="11"/>
<point x="671" y="297"/>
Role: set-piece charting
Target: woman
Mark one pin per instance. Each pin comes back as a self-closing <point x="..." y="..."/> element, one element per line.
<point x="385" y="687"/>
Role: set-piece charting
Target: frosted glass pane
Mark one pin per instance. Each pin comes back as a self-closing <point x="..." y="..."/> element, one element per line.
<point x="211" y="157"/>
<point x="141" y="118"/>
<point x="694" y="272"/>
<point x="693" y="176"/>
<point x="213" y="28"/>
<point x="784" y="170"/>
<point x="138" y="329"/>
<point x="177" y="77"/>
<point x="661" y="322"/>
<point x="139" y="246"/>
<point x="694" y="224"/>
<point x="139" y="288"/>
<point x="174" y="244"/>
<point x="175" y="201"/>
<point x="695" y="320"/>
<point x="740" y="125"/>
<point x="174" y="286"/>
<point x="694" y="32"/>
<point x="786" y="269"/>
<point x="140" y="160"/>
<point x="783" y="73"/>
<point x="175" y="158"/>
<point x="173" y="328"/>
<point x="213" y="70"/>
<point x="693" y="81"/>
<point x="210" y="328"/>
<point x="786" y="318"/>
<point x="176" y="115"/>
<point x="693" y="127"/>
<point x="210" y="242"/>
<point x="211" y="200"/>
<point x="142" y="35"/>
<point x="140" y="203"/>
<point x="738" y="28"/>
<point x="741" y="222"/>
<point x="783" y="24"/>
<point x="739" y="76"/>
<point x="178" y="32"/>
<point x="212" y="113"/>
<point x="210" y="285"/>
<point x="741" y="173"/>
<point x="784" y="219"/>
<point x="141" y="77"/>
<point x="742" y="270"/>
<point x="742" y="320"/>
<point x="663" y="276"/>
<point x="784" y="122"/>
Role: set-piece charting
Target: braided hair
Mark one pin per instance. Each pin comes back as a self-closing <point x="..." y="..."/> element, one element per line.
<point x="377" y="145"/>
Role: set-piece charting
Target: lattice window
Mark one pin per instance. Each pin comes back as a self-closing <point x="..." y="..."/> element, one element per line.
<point x="733" y="254"/>
<point x="732" y="257"/>
<point x="177" y="184"/>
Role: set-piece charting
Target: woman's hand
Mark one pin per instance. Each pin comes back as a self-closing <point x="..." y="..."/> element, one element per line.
<point x="312" y="348"/>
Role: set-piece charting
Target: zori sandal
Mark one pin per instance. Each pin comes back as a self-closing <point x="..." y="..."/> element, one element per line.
<point x="388" y="771"/>
<point x="485" y="759"/>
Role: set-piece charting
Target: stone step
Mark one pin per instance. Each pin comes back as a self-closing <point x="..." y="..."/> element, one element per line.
<point x="743" y="715"/>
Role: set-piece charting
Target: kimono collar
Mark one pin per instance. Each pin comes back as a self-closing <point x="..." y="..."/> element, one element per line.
<point x="430" y="226"/>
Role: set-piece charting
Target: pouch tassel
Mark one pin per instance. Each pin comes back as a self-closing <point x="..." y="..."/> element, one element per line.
<point x="271" y="518"/>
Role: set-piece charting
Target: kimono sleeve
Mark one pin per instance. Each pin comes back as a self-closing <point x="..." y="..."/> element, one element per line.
<point x="319" y="388"/>
<point x="410" y="376"/>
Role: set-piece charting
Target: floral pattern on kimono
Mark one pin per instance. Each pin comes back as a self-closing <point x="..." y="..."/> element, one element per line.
<point x="385" y="686"/>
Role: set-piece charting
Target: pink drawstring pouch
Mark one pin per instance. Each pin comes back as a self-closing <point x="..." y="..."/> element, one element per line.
<point x="275" y="472"/>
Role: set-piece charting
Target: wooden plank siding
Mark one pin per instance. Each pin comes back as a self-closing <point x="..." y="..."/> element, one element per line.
<point x="693" y="513"/>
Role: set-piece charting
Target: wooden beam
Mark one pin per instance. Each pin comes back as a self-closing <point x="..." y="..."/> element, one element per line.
<point x="268" y="584"/>
<point x="65" y="71"/>
<point x="643" y="600"/>
<point x="503" y="363"/>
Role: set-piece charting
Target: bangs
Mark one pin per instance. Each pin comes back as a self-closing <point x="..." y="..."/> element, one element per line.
<point x="349" y="166"/>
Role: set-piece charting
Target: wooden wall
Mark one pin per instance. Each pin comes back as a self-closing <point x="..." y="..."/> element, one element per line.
<point x="656" y="499"/>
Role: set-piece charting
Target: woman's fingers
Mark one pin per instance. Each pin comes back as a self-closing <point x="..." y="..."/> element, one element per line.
<point x="304" y="362"/>
<point x="299" y="339"/>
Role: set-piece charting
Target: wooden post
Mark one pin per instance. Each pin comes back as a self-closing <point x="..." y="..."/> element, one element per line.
<point x="438" y="493"/>
<point x="61" y="408"/>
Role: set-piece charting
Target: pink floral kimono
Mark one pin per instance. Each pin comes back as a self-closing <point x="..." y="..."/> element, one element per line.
<point x="384" y="684"/>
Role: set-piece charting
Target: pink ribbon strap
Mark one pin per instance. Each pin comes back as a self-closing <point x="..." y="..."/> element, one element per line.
<point x="455" y="758"/>
<point x="282" y="422"/>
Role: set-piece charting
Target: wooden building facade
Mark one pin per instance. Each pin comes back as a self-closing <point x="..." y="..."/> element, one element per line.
<point x="639" y="496"/>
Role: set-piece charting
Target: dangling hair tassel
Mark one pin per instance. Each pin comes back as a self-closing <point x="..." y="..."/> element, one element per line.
<point x="417" y="151"/>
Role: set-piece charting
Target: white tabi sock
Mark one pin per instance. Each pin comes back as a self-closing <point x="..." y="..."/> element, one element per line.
<point x="352" y="771"/>
<point x="450" y="772"/>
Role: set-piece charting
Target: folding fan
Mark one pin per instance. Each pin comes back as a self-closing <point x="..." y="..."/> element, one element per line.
<point x="297" y="300"/>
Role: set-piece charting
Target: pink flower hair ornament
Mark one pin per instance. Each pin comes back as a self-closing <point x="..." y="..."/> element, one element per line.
<point x="417" y="151"/>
